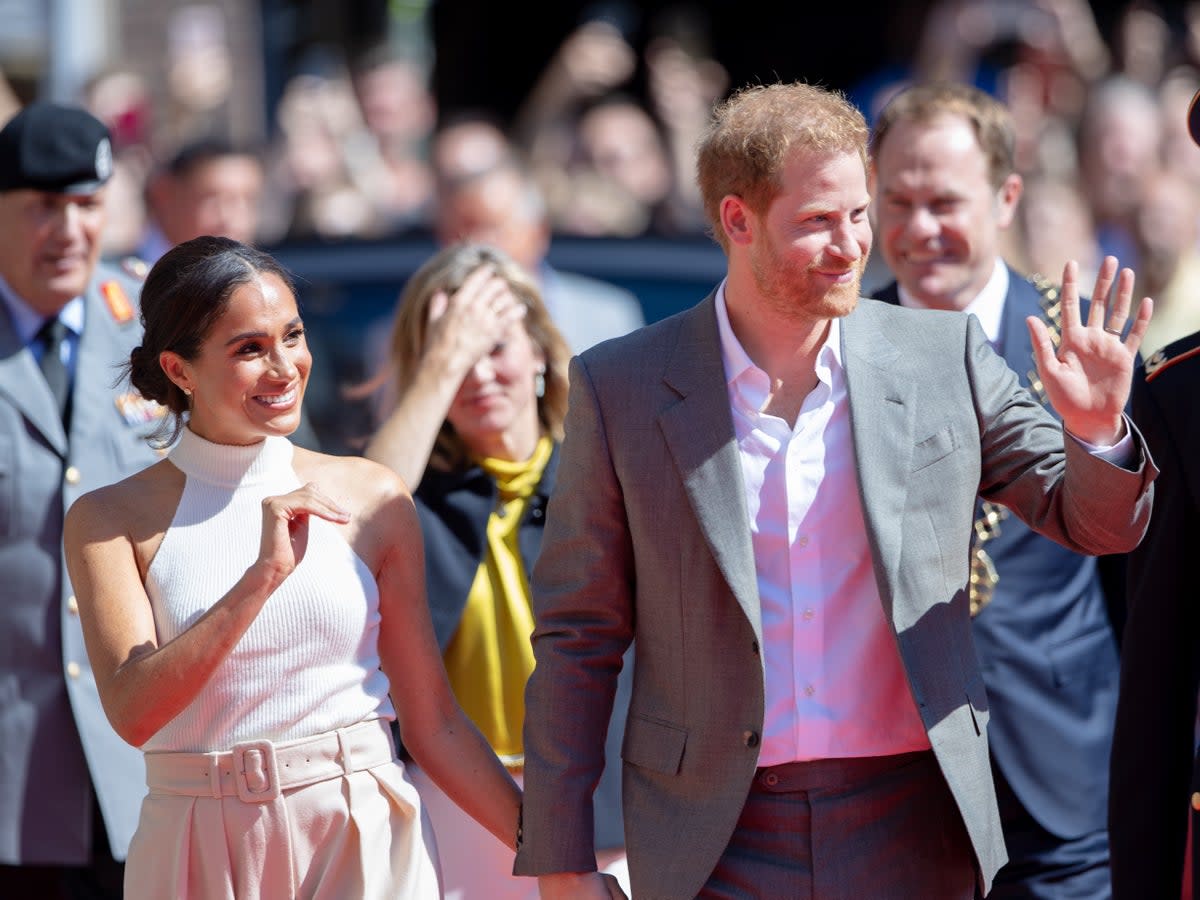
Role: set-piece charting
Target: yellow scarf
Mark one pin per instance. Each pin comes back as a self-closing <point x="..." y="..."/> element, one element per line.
<point x="490" y="657"/>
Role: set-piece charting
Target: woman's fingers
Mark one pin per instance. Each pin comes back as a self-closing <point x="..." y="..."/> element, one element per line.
<point x="308" y="500"/>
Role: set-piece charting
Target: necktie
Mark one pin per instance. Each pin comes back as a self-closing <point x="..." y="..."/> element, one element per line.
<point x="51" y="336"/>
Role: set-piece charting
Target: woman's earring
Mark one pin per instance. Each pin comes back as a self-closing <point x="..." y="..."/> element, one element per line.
<point x="539" y="382"/>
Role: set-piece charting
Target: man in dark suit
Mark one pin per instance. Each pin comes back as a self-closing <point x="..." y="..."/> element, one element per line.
<point x="1154" y="767"/>
<point x="944" y="192"/>
<point x="70" y="789"/>
<point x="771" y="494"/>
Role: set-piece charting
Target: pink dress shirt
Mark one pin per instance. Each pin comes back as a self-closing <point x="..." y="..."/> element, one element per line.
<point x="835" y="685"/>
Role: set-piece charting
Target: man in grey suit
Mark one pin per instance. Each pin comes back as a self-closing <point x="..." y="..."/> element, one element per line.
<point x="70" y="789"/>
<point x="773" y="493"/>
<point x="501" y="205"/>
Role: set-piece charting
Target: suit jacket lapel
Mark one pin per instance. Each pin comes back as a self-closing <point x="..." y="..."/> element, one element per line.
<point x="1014" y="333"/>
<point x="699" y="434"/>
<point x="881" y="423"/>
<point x="21" y="380"/>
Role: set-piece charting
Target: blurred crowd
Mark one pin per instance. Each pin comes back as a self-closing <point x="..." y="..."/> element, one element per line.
<point x="358" y="147"/>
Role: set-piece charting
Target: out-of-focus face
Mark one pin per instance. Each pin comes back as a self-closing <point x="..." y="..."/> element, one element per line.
<point x="1120" y="147"/>
<point x="220" y="197"/>
<point x="812" y="243"/>
<point x="248" y="379"/>
<point x="495" y="411"/>
<point x="1166" y="229"/>
<point x="938" y="215"/>
<point x="49" y="244"/>
<point x="491" y="210"/>
<point x="622" y="144"/>
<point x="395" y="102"/>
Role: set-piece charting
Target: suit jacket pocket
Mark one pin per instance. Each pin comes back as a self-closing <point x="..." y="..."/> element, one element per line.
<point x="935" y="447"/>
<point x="653" y="744"/>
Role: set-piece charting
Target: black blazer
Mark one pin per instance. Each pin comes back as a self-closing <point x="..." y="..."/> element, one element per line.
<point x="1153" y="771"/>
<point x="453" y="508"/>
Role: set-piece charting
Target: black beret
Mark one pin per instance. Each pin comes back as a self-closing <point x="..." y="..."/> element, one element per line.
<point x="61" y="149"/>
<point x="1194" y="118"/>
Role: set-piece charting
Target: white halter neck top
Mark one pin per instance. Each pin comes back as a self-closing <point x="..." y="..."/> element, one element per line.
<point x="309" y="663"/>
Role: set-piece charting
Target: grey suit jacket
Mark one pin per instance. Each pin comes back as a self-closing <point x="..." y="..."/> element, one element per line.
<point x="54" y="737"/>
<point x="647" y="536"/>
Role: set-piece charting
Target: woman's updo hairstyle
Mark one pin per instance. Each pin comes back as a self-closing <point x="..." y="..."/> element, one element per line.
<point x="186" y="292"/>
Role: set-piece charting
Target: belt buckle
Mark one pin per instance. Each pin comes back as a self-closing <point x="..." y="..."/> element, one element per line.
<point x="256" y="771"/>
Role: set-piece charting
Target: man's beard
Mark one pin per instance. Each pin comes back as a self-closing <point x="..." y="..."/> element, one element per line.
<point x="796" y="293"/>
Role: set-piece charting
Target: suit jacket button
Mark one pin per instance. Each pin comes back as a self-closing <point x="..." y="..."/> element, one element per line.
<point x="750" y="738"/>
<point x="754" y="647"/>
<point x="1196" y="801"/>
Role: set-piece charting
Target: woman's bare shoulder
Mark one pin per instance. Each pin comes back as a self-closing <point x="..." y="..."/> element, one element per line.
<point x="362" y="482"/>
<point x="143" y="503"/>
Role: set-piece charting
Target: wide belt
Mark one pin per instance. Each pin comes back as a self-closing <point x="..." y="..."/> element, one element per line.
<point x="258" y="771"/>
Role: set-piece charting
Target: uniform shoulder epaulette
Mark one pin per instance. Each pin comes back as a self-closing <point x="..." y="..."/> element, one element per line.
<point x="135" y="267"/>
<point x="117" y="301"/>
<point x="1171" y="355"/>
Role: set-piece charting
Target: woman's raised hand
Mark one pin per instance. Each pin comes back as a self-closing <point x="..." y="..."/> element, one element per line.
<point x="285" y="527"/>
<point x="464" y="326"/>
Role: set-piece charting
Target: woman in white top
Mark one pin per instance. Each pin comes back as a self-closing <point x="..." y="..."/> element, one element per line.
<point x="239" y="600"/>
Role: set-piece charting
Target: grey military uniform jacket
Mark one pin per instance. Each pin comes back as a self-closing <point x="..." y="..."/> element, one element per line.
<point x="54" y="736"/>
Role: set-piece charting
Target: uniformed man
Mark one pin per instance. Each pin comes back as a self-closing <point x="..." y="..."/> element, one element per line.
<point x="70" y="789"/>
<point x="1154" y="771"/>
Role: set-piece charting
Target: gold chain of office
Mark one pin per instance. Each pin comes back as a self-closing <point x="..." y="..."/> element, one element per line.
<point x="983" y="578"/>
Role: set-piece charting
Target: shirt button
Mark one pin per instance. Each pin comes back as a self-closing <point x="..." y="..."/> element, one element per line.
<point x="802" y="541"/>
<point x="809" y="613"/>
<point x="72" y="605"/>
<point x="809" y="690"/>
<point x="72" y="475"/>
<point x="73" y="669"/>
<point x="750" y="739"/>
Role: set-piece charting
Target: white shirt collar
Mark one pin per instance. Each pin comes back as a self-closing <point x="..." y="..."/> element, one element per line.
<point x="988" y="307"/>
<point x="737" y="361"/>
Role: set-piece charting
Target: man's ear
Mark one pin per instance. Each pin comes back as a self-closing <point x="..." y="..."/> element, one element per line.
<point x="1007" y="198"/>
<point x="737" y="219"/>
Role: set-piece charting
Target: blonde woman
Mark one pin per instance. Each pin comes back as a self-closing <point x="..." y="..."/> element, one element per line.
<point x="480" y="374"/>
